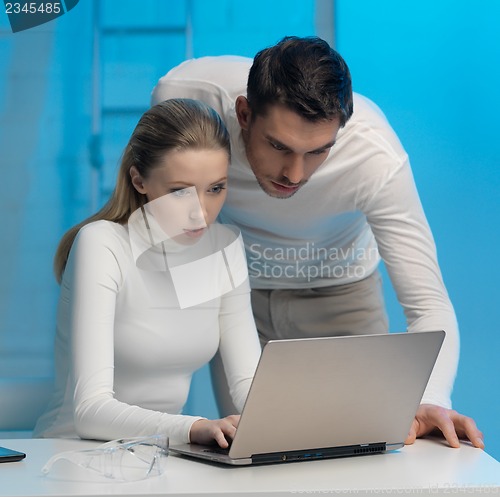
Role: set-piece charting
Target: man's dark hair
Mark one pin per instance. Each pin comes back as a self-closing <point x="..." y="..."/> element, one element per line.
<point x="304" y="74"/>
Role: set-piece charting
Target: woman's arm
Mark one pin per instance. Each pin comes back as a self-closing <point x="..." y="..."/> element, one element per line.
<point x="94" y="277"/>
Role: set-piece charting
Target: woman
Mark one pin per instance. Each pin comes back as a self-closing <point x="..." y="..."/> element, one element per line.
<point x="148" y="292"/>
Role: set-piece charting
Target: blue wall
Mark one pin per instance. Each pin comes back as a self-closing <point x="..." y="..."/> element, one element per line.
<point x="432" y="66"/>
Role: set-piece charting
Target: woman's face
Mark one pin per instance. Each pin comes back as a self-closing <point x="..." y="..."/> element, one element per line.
<point x="186" y="191"/>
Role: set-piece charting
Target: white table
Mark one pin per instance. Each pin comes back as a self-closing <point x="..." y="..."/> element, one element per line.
<point x="428" y="468"/>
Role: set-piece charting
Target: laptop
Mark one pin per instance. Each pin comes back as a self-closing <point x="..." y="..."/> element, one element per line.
<point x="317" y="398"/>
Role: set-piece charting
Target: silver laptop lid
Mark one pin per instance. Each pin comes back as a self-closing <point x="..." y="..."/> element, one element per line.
<point x="335" y="392"/>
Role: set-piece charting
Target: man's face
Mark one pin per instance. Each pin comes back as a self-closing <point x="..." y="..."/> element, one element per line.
<point x="284" y="149"/>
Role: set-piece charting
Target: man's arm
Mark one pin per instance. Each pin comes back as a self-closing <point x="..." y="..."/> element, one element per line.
<point x="406" y="245"/>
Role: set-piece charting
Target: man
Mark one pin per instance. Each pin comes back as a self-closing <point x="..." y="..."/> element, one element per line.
<point x="321" y="188"/>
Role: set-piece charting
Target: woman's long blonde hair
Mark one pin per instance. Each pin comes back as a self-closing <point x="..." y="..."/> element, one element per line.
<point x="172" y="125"/>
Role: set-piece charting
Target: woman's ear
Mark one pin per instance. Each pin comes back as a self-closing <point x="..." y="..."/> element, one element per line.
<point x="137" y="180"/>
<point x="243" y="112"/>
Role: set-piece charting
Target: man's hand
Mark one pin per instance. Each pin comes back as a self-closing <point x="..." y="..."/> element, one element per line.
<point x="206" y="431"/>
<point x="451" y="424"/>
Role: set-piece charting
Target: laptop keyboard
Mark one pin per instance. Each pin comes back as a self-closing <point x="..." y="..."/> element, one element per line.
<point x="217" y="450"/>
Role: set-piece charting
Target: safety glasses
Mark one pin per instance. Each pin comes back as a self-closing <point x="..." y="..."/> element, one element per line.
<point x="128" y="459"/>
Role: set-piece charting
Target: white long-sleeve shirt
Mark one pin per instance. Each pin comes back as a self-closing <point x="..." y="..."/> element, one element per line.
<point x="360" y="205"/>
<point x="125" y="349"/>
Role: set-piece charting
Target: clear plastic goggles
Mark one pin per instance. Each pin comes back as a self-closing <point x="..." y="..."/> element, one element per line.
<point x="129" y="459"/>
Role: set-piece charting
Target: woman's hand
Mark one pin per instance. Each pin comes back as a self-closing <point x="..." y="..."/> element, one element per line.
<point x="205" y="431"/>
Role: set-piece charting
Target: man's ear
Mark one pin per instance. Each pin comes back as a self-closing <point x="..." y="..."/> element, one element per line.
<point x="243" y="112"/>
<point x="137" y="180"/>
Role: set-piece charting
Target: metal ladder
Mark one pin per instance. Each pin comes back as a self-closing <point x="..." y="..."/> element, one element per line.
<point x="114" y="112"/>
